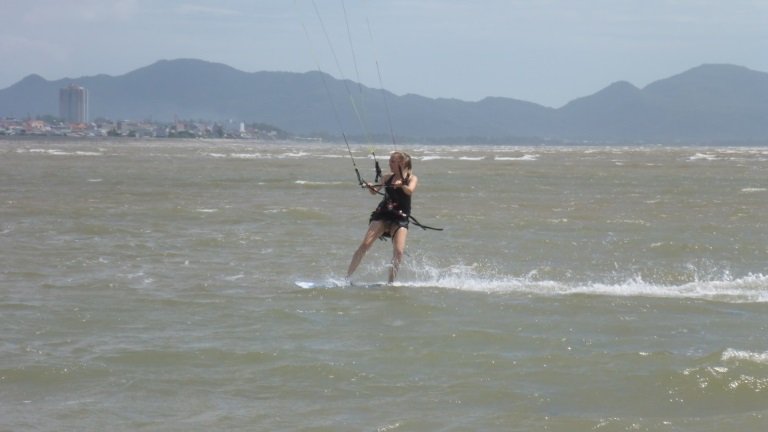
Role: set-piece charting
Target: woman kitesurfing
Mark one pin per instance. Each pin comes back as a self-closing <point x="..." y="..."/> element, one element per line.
<point x="393" y="214"/>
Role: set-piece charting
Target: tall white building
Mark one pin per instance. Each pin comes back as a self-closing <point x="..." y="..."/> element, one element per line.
<point x="73" y="104"/>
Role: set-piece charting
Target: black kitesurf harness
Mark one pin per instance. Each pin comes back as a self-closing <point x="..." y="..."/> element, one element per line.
<point x="364" y="185"/>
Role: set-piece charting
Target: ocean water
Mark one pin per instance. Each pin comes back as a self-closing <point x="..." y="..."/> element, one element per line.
<point x="199" y="285"/>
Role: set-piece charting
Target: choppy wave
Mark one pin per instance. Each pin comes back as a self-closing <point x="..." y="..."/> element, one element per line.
<point x="288" y="155"/>
<point x="528" y="157"/>
<point x="238" y="155"/>
<point x="740" y="355"/>
<point x="318" y="183"/>
<point x="747" y="289"/>
<point x="703" y="156"/>
<point x="434" y="158"/>
<point x="252" y="150"/>
<point x="722" y="374"/>
<point x="58" y="152"/>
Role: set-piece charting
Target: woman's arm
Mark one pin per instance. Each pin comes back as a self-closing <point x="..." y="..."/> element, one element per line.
<point x="410" y="187"/>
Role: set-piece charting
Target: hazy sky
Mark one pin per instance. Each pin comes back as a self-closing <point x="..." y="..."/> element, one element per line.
<point x="543" y="51"/>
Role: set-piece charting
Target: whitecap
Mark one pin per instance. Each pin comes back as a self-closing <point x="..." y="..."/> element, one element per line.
<point x="528" y="158"/>
<point x="57" y="152"/>
<point x="748" y="289"/>
<point x="294" y="154"/>
<point x="755" y="357"/>
<point x="703" y="156"/>
<point x="246" y="156"/>
<point x="317" y="183"/>
<point x="431" y="158"/>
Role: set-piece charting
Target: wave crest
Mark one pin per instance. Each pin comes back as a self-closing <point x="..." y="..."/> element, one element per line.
<point x="752" y="288"/>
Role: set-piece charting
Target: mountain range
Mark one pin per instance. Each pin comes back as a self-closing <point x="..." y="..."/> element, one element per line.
<point x="709" y="103"/>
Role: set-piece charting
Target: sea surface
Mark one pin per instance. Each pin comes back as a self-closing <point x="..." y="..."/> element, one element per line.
<point x="160" y="285"/>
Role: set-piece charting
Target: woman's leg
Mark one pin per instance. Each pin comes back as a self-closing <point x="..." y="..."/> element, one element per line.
<point x="375" y="230"/>
<point x="398" y="249"/>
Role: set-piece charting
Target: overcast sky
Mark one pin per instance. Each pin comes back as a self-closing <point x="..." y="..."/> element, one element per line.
<point x="543" y="51"/>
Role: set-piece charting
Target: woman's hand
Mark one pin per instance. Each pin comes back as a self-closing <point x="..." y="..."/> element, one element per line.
<point x="371" y="188"/>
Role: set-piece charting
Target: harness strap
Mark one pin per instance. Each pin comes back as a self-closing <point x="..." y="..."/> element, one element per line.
<point x="424" y="227"/>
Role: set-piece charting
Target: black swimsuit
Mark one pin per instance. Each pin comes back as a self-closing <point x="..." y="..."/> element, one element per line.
<point x="394" y="209"/>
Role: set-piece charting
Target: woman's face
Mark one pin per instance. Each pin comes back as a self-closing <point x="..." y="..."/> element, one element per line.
<point x="394" y="163"/>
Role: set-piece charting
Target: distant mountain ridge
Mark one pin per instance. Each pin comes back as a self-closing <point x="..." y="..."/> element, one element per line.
<point x="712" y="102"/>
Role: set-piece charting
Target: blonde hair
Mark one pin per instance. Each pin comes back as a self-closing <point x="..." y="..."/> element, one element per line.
<point x="406" y="158"/>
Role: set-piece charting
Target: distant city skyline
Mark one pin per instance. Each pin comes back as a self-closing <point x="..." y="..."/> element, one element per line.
<point x="546" y="51"/>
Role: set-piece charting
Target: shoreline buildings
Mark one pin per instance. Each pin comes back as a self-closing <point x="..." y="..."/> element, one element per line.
<point x="73" y="104"/>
